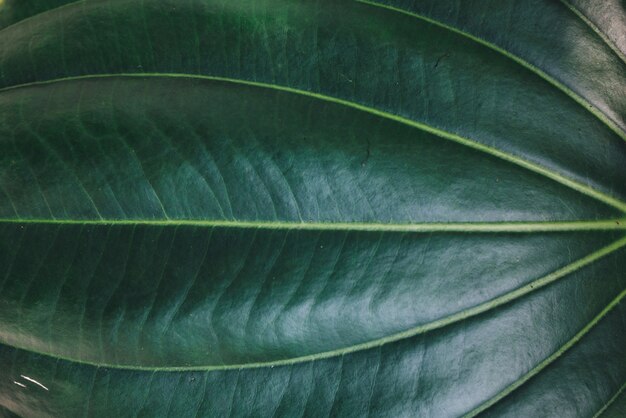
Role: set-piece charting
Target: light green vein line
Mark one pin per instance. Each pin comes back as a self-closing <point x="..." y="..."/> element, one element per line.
<point x="31" y="17"/>
<point x="610" y="123"/>
<point x="549" y="360"/>
<point x="610" y="401"/>
<point x="603" y="225"/>
<point x="594" y="28"/>
<point x="440" y="323"/>
<point x="582" y="188"/>
<point x="572" y="94"/>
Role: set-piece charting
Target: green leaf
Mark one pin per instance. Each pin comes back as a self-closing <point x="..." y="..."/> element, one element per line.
<point x="312" y="208"/>
<point x="13" y="11"/>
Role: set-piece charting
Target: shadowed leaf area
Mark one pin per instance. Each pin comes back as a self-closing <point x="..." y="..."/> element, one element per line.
<point x="312" y="208"/>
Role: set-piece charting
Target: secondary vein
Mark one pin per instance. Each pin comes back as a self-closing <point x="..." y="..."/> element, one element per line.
<point x="595" y="29"/>
<point x="549" y="360"/>
<point x="421" y="329"/>
<point x="610" y="123"/>
<point x="528" y="165"/>
<point x="610" y="401"/>
<point x="31" y="17"/>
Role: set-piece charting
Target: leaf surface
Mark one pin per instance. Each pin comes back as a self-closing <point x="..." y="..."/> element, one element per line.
<point x="288" y="208"/>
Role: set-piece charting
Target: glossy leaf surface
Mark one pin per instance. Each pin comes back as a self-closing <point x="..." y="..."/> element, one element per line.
<point x="312" y="208"/>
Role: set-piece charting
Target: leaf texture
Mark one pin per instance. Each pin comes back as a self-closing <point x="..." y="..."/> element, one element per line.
<point x="312" y="208"/>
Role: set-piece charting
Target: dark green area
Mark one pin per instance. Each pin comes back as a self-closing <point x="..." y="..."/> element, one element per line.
<point x="312" y="208"/>
<point x="14" y="11"/>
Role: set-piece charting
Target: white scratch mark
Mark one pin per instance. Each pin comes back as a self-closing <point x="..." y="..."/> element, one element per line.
<point x="34" y="381"/>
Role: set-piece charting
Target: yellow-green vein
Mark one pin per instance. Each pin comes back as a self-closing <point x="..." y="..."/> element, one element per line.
<point x="528" y="165"/>
<point x="421" y="329"/>
<point x="26" y="19"/>
<point x="610" y="401"/>
<point x="549" y="360"/>
<point x="486" y="227"/>
<point x="595" y="29"/>
<point x="610" y="123"/>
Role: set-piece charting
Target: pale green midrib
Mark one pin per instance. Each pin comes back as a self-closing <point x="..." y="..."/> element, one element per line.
<point x="610" y="401"/>
<point x="599" y="225"/>
<point x="549" y="360"/>
<point x="31" y="17"/>
<point x="610" y="123"/>
<point x="595" y="29"/>
<point x="520" y="162"/>
<point x="437" y="324"/>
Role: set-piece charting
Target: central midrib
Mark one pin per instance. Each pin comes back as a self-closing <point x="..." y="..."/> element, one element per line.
<point x="488" y="227"/>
